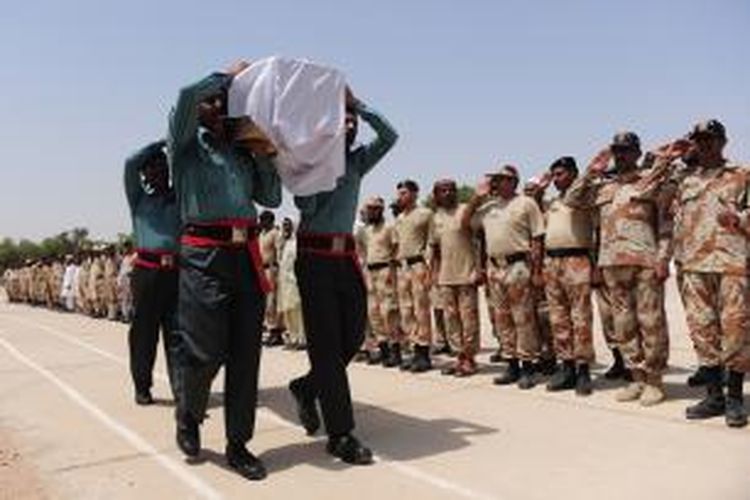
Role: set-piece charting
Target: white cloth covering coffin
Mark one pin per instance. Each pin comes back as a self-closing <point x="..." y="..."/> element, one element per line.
<point x="299" y="105"/>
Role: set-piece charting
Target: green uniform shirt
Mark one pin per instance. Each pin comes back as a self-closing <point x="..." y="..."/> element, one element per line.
<point x="156" y="220"/>
<point x="213" y="180"/>
<point x="334" y="211"/>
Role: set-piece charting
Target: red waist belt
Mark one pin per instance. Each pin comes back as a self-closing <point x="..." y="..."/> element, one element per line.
<point x="336" y="245"/>
<point x="229" y="233"/>
<point x="156" y="259"/>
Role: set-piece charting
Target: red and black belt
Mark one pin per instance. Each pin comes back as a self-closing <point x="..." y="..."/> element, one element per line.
<point x="229" y="233"/>
<point x="165" y="260"/>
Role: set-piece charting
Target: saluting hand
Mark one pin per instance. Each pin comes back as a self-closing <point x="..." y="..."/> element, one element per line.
<point x="600" y="162"/>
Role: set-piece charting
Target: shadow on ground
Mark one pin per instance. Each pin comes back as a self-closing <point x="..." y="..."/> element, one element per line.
<point x="392" y="435"/>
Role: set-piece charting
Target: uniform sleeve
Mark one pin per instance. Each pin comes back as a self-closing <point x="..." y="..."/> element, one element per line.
<point x="266" y="183"/>
<point x="132" y="179"/>
<point x="536" y="219"/>
<point x="183" y="123"/>
<point x="582" y="193"/>
<point x="386" y="137"/>
<point x="655" y="179"/>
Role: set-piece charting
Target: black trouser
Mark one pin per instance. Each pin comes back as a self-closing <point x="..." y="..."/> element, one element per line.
<point x="155" y="305"/>
<point x="335" y="311"/>
<point x="220" y="315"/>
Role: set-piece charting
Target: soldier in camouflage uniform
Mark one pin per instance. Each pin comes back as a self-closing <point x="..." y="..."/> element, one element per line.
<point x="567" y="277"/>
<point x="513" y="229"/>
<point x="634" y="261"/>
<point x="270" y="245"/>
<point x="712" y="229"/>
<point x="454" y="261"/>
<point x="411" y="232"/>
<point x="382" y="302"/>
<point x="534" y="188"/>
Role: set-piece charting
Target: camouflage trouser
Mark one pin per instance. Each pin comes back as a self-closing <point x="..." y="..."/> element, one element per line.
<point x="639" y="318"/>
<point x="492" y="303"/>
<point x="716" y="313"/>
<point x="543" y="325"/>
<point x="568" y="286"/>
<point x="461" y="306"/>
<point x="515" y="313"/>
<point x="382" y="308"/>
<point x="604" y="304"/>
<point x="414" y="303"/>
<point x="272" y="318"/>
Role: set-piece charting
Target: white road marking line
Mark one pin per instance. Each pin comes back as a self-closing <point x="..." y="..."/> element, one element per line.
<point x="200" y="487"/>
<point x="404" y="469"/>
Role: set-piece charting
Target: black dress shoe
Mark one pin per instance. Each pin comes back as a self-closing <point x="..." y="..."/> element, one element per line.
<point x="307" y="410"/>
<point x="349" y="449"/>
<point x="245" y="463"/>
<point x="188" y="435"/>
<point x="143" y="398"/>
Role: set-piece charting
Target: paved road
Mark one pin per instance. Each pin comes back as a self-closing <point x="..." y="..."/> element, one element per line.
<point x="65" y="399"/>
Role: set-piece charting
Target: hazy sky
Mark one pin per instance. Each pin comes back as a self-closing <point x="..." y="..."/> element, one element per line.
<point x="468" y="84"/>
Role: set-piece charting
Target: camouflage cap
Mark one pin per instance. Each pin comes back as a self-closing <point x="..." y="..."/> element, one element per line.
<point x="709" y="127"/>
<point x="628" y="140"/>
<point x="506" y="171"/>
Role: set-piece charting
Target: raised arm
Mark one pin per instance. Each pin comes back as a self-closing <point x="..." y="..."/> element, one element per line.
<point x="133" y="185"/>
<point x="383" y="142"/>
<point x="582" y="193"/>
<point x="183" y="123"/>
<point x="266" y="182"/>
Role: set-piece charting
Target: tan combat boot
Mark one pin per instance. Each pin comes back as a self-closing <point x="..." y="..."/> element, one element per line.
<point x="630" y="392"/>
<point x="653" y="391"/>
<point x="633" y="390"/>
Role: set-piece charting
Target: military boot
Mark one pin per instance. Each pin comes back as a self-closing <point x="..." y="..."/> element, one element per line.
<point x="714" y="404"/>
<point x="653" y="391"/>
<point x="633" y="390"/>
<point x="617" y="370"/>
<point x="379" y="356"/>
<point x="699" y="377"/>
<point x="511" y="374"/>
<point x="394" y="359"/>
<point x="736" y="415"/>
<point x="583" y="380"/>
<point x="526" y="380"/>
<point x="421" y="361"/>
<point x="564" y="378"/>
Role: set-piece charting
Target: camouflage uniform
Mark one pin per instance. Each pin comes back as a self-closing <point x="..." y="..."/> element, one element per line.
<point x="109" y="299"/>
<point x="381" y="283"/>
<point x="509" y="226"/>
<point x="83" y="300"/>
<point x="714" y="266"/>
<point x="411" y="233"/>
<point x="567" y="278"/>
<point x="457" y="274"/>
<point x="270" y="242"/>
<point x="629" y="252"/>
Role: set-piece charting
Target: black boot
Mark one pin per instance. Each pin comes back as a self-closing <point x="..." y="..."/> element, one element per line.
<point x="144" y="398"/>
<point x="349" y="449"/>
<point x="188" y="434"/>
<point x="511" y="374"/>
<point x="379" y="357"/>
<point x="307" y="410"/>
<point x="617" y="370"/>
<point x="406" y="362"/>
<point x="736" y="415"/>
<point x="496" y="357"/>
<point x="714" y="404"/>
<point x="526" y="380"/>
<point x="421" y="361"/>
<point x="700" y="377"/>
<point x="394" y="359"/>
<point x="583" y="381"/>
<point x="565" y="378"/>
<point x="245" y="463"/>
<point x="547" y="367"/>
